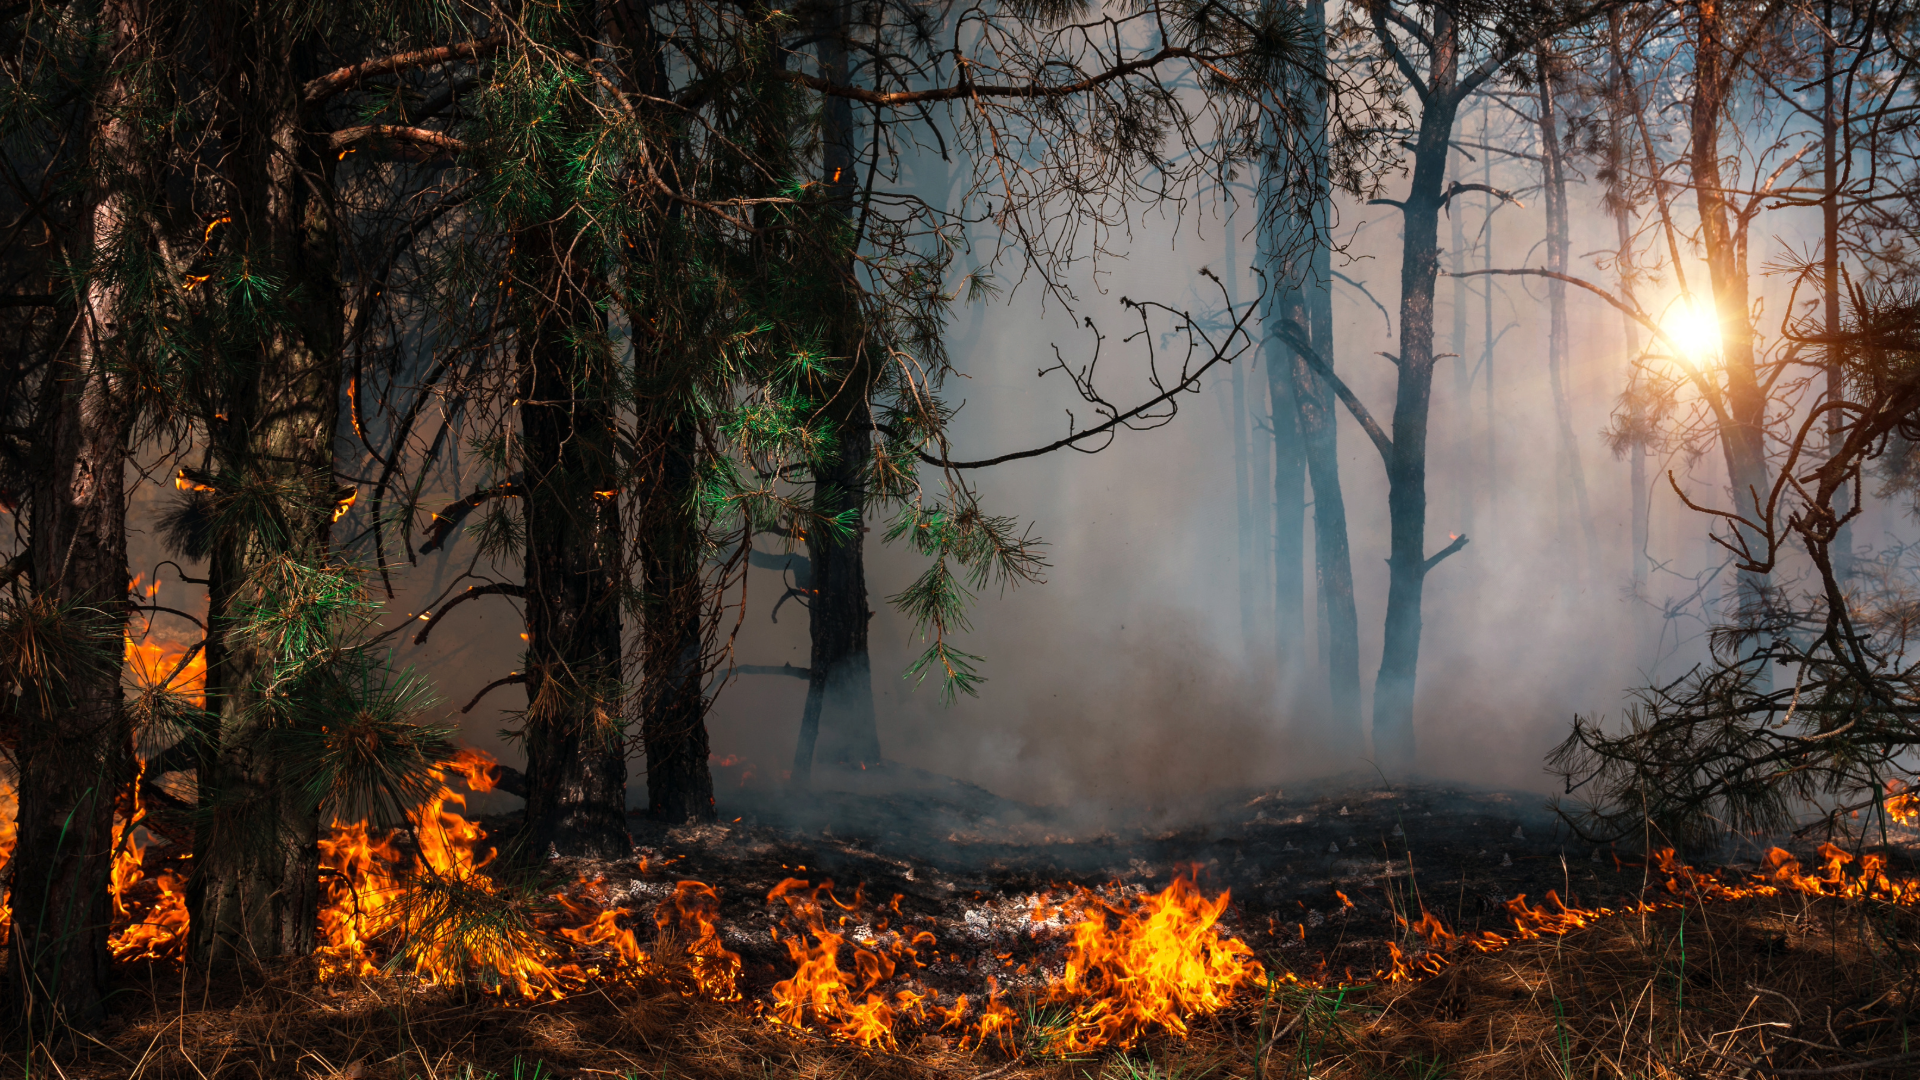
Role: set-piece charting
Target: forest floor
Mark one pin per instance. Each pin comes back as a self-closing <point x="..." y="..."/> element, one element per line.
<point x="1320" y="879"/>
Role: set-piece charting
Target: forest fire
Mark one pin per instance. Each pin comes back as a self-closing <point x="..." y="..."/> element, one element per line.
<point x="1119" y="964"/>
<point x="1148" y="964"/>
<point x="841" y="1001"/>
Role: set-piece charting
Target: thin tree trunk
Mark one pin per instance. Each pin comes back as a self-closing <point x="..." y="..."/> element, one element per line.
<point x="255" y="890"/>
<point x="1242" y="468"/>
<point x="839" y="711"/>
<point x="1842" y="546"/>
<point x="1393" y="736"/>
<point x="1462" y="375"/>
<point x="74" y="747"/>
<point x="1490" y="474"/>
<point x="1743" y="436"/>
<point x="1289" y="493"/>
<point x="1304" y="402"/>
<point x="1576" y="513"/>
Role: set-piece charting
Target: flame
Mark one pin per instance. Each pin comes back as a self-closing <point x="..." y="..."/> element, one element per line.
<point x="1148" y="965"/>
<point x="340" y="508"/>
<point x="844" y="1002"/>
<point x="185" y="483"/>
<point x="154" y="660"/>
<point x="159" y="931"/>
<point x="692" y="914"/>
<point x="9" y="835"/>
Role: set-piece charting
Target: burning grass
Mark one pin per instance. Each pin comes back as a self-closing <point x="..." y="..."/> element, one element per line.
<point x="1755" y="986"/>
<point x="432" y="967"/>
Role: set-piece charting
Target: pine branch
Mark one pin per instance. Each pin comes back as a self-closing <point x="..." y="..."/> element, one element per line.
<point x="344" y="78"/>
<point x="474" y="592"/>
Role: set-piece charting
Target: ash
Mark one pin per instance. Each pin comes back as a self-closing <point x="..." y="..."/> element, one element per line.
<point x="1320" y="875"/>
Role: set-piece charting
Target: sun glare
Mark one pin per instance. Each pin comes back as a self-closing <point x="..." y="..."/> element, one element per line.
<point x="1694" y="329"/>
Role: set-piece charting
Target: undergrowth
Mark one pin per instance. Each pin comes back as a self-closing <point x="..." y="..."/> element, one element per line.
<point x="1754" y="988"/>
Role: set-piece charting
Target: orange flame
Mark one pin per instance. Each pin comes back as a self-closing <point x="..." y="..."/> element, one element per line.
<point x="153" y="662"/>
<point x="159" y="931"/>
<point x="844" y="1002"/>
<point x="1148" y="965"/>
<point x="9" y="835"/>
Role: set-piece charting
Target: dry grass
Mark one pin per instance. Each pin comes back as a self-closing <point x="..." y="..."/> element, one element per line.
<point x="1749" y="989"/>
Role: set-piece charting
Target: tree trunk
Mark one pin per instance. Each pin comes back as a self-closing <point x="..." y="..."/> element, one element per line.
<point x="673" y="671"/>
<point x="574" y="729"/>
<point x="573" y="732"/>
<point x="839" y="711"/>
<point x="255" y="890"/>
<point x="1743" y="435"/>
<point x="1620" y="106"/>
<point x="74" y="749"/>
<point x="1318" y="427"/>
<point x="1289" y="493"/>
<point x="1575" y="512"/>
<point x="1842" y="546"/>
<point x="842" y="683"/>
<point x="1393" y="737"/>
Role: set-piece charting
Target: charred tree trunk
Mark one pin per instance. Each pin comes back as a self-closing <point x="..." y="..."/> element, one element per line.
<point x="1575" y="512"/>
<point x="74" y="748"/>
<point x="673" y="674"/>
<point x="255" y="890"/>
<point x="573" y="732"/>
<point x="839" y="713"/>
<point x="1621" y="105"/>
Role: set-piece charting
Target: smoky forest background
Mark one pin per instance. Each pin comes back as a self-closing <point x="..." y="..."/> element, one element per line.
<point x="703" y="404"/>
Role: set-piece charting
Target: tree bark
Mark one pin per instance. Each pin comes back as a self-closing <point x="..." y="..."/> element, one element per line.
<point x="839" y="713"/>
<point x="74" y="749"/>
<point x="574" y="729"/>
<point x="1393" y="736"/>
<point x="673" y="671"/>
<point x="255" y="891"/>
<point x="573" y="732"/>
<point x="1743" y="435"/>
<point x="1575" y="511"/>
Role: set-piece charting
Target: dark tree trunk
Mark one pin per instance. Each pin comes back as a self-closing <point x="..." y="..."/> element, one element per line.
<point x="1393" y="737"/>
<point x="839" y="711"/>
<point x="1289" y="494"/>
<point x="574" y="730"/>
<point x="255" y="891"/>
<point x="74" y="748"/>
<point x="840" y="690"/>
<point x="673" y="697"/>
<point x="573" y="733"/>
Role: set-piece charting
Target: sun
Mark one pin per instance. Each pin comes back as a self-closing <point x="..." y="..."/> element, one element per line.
<point x="1695" y="330"/>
